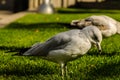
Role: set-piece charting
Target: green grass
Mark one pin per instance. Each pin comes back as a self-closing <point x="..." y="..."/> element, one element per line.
<point x="37" y="28"/>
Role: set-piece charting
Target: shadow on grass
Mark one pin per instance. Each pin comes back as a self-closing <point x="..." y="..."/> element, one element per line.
<point x="50" y="25"/>
<point x="13" y="49"/>
<point x="81" y="11"/>
<point x="104" y="53"/>
<point x="110" y="70"/>
<point x="26" y="70"/>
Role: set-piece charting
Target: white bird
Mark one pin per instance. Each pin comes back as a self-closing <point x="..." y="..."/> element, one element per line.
<point x="67" y="46"/>
<point x="107" y="25"/>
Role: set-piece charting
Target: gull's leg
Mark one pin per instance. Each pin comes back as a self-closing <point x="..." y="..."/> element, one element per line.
<point x="63" y="69"/>
<point x="66" y="73"/>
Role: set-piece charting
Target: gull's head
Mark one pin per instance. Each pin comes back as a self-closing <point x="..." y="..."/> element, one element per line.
<point x="81" y="23"/>
<point x="94" y="35"/>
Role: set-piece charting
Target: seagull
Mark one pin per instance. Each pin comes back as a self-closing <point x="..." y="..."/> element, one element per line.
<point x="107" y="25"/>
<point x="67" y="46"/>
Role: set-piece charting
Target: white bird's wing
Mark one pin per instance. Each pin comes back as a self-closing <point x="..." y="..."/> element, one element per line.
<point x="42" y="49"/>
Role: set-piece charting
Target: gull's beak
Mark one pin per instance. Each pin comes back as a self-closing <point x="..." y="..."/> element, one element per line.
<point x="74" y="22"/>
<point x="99" y="47"/>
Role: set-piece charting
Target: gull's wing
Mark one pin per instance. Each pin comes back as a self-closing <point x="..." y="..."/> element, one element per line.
<point x="42" y="49"/>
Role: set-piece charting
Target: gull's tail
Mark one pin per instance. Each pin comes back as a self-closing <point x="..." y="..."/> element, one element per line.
<point x="21" y="51"/>
<point x="34" y="50"/>
<point x="28" y="51"/>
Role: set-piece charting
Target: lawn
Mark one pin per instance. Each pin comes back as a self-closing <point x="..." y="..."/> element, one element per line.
<point x="34" y="28"/>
